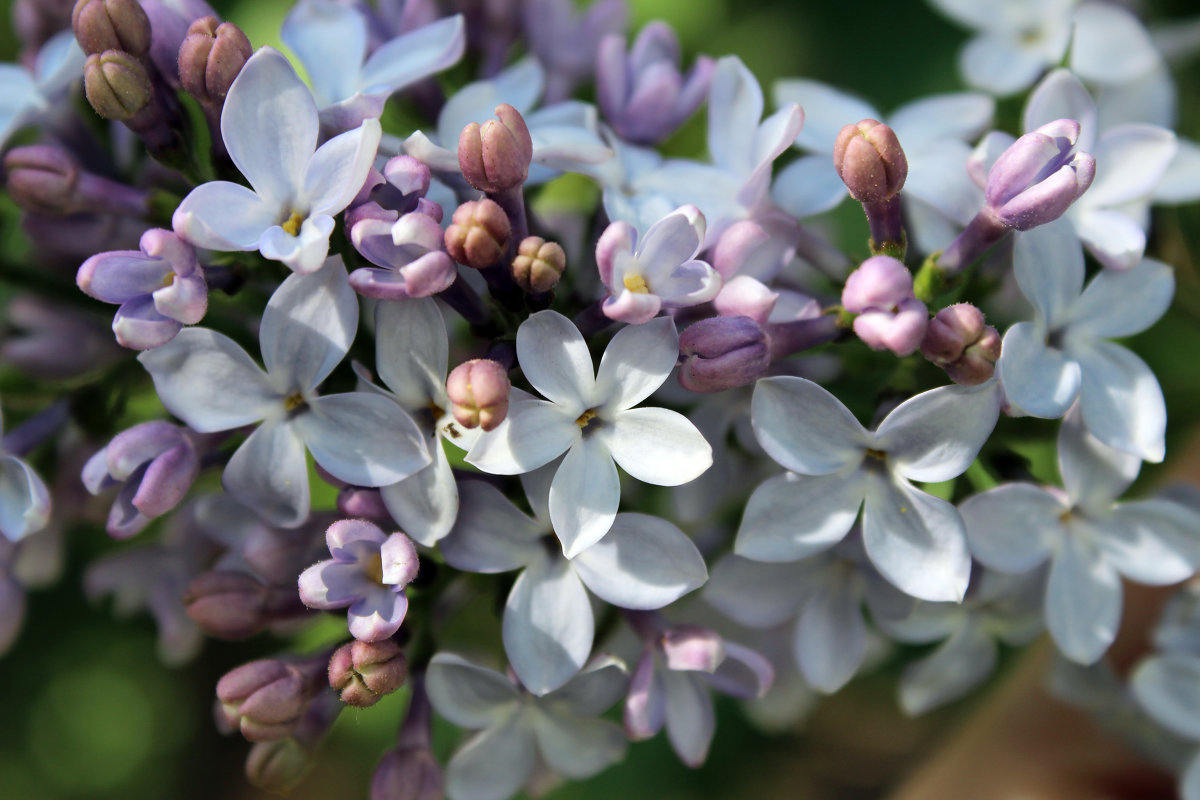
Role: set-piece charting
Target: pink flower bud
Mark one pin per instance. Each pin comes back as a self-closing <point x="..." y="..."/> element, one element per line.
<point x="265" y="698"/>
<point x="101" y="25"/>
<point x="978" y="362"/>
<point x="900" y="330"/>
<point x="495" y="156"/>
<point x="959" y="341"/>
<point x="478" y="234"/>
<point x="42" y="178"/>
<point x="226" y="604"/>
<point x="211" y="57"/>
<point x="363" y="672"/>
<point x="880" y="282"/>
<point x="720" y="353"/>
<point x="116" y="85"/>
<point x="538" y="265"/>
<point x="870" y="161"/>
<point x="478" y="390"/>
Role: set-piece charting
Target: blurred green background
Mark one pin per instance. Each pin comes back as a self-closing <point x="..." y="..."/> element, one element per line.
<point x="86" y="710"/>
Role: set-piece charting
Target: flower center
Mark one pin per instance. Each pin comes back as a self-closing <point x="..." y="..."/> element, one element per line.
<point x="585" y="419"/>
<point x="374" y="568"/>
<point x="293" y="223"/>
<point x="168" y="279"/>
<point x="293" y="401"/>
<point x="636" y="284"/>
<point x="878" y="455"/>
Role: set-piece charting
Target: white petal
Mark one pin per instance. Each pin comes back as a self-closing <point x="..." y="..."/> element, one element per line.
<point x="331" y="41"/>
<point x="672" y="240"/>
<point x="994" y="63"/>
<point x="533" y="433"/>
<point x="416" y="54"/>
<point x="303" y="253"/>
<point x="735" y="106"/>
<point x="1093" y="474"/>
<point x="362" y="438"/>
<point x="269" y="474"/>
<point x="519" y="85"/>
<point x="958" y="115"/>
<point x="1168" y="687"/>
<point x="308" y="326"/>
<point x="831" y="635"/>
<point x="490" y="533"/>
<point x="584" y="496"/>
<point x="755" y="594"/>
<point x="224" y="216"/>
<point x="959" y="665"/>
<point x="656" y="445"/>
<point x="805" y="428"/>
<point x="691" y="722"/>
<point x="1083" y="601"/>
<point x="789" y="517"/>
<point x="339" y="168"/>
<point x="807" y="186"/>
<point x="1117" y="241"/>
<point x="412" y="350"/>
<point x="468" y="695"/>
<point x="600" y="684"/>
<point x="1181" y="181"/>
<point x="1110" y="44"/>
<point x="1013" y="527"/>
<point x="209" y="382"/>
<point x="1048" y="264"/>
<point x="937" y="434"/>
<point x="1130" y="160"/>
<point x="547" y="625"/>
<point x="425" y="504"/>
<point x="1121" y="401"/>
<point x="1152" y="542"/>
<point x="1038" y="379"/>
<point x="578" y="747"/>
<point x="915" y="540"/>
<point x="636" y="362"/>
<point x="643" y="562"/>
<point x="24" y="501"/>
<point x="556" y="362"/>
<point x="1117" y="304"/>
<point x="826" y="111"/>
<point x="494" y="764"/>
<point x="269" y="125"/>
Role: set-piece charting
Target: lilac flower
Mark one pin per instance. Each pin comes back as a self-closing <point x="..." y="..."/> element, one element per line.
<point x="297" y="187"/>
<point x="368" y="573"/>
<point x="917" y="541"/>
<point x="24" y="500"/>
<point x="566" y="40"/>
<point x="642" y="563"/>
<point x="1088" y="538"/>
<point x="26" y="95"/>
<point x="1063" y="353"/>
<point x="157" y="463"/>
<point x="591" y="417"/>
<point x="209" y="382"/>
<point x="1166" y="686"/>
<point x="349" y="86"/>
<point x="661" y="272"/>
<point x="519" y="728"/>
<point x="408" y="251"/>
<point x="160" y="288"/>
<point x="889" y="317"/>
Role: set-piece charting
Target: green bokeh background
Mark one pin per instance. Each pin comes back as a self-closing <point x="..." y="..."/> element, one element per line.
<point x="86" y="710"/>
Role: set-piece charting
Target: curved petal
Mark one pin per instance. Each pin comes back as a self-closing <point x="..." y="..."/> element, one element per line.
<point x="378" y="615"/>
<point x="339" y="168"/>
<point x="1117" y="304"/>
<point x="600" y="684"/>
<point x="578" y="747"/>
<point x="534" y="433"/>
<point x="24" y="500"/>
<point x="691" y="721"/>
<point x="470" y="696"/>
<point x="209" y="382"/>
<point x="415" y="55"/>
<point x="584" y="496"/>
<point x="547" y="625"/>
<point x="831" y="635"/>
<point x="808" y="186"/>
<point x="1083" y="601"/>
<point x="1121" y="401"/>
<point x="636" y="362"/>
<point x="303" y="253"/>
<point x="1130" y="161"/>
<point x="1093" y="474"/>
<point x="362" y="438"/>
<point x="1013" y="527"/>
<point x="915" y="540"/>
<point x="331" y="41"/>
<point x="1168" y="687"/>
<point x="412" y="351"/>
<point x="1048" y="264"/>
<point x="826" y="111"/>
<point x="735" y="107"/>
<point x="1117" y="241"/>
<point x="937" y="434"/>
<point x="956" y="115"/>
<point x="656" y="445"/>
<point x="225" y="216"/>
<point x="1061" y="95"/>
<point x="994" y="63"/>
<point x="1110" y="44"/>
<point x="556" y="361"/>
<point x="494" y="764"/>
<point x="789" y="517"/>
<point x="490" y="533"/>
<point x="805" y="428"/>
<point x="643" y="562"/>
<point x="269" y="474"/>
<point x="755" y="594"/>
<point x="1152" y="542"/>
<point x="139" y="326"/>
<point x="267" y="95"/>
<point x="308" y="327"/>
<point x="672" y="240"/>
<point x="425" y="504"/>
<point x="1039" y="380"/>
<point x="959" y="665"/>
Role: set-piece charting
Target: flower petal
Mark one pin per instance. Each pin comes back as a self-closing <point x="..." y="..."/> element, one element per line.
<point x="415" y="54"/>
<point x="1013" y="527"/>
<point x="578" y="747"/>
<point x="1083" y="601"/>
<point x="959" y="665"/>
<point x="493" y="765"/>
<point x="656" y="445"/>
<point x="831" y="635"/>
<point x="378" y="615"/>
<point x="789" y="517"/>
<point x="534" y="433"/>
<point x="584" y="496"/>
<point x="1168" y="687"/>
<point x="330" y="40"/>
<point x="425" y="503"/>
<point x="691" y="721"/>
<point x="269" y="474"/>
<point x="470" y="696"/>
<point x="643" y="562"/>
<point x="362" y="438"/>
<point x="1117" y="241"/>
<point x="1038" y="379"/>
<point x="1121" y="401"/>
<point x="1093" y="474"/>
<point x="24" y="500"/>
<point x="548" y="624"/>
<point x="1048" y="264"/>
<point x="490" y="533"/>
<point x="805" y="428"/>
<point x="826" y="110"/>
<point x="224" y="216"/>
<point x="556" y="362"/>
<point x="412" y="351"/>
<point x="339" y="168"/>
<point x="1117" y="304"/>
<point x="807" y="186"/>
<point x="756" y="594"/>
<point x="937" y="434"/>
<point x="636" y="362"/>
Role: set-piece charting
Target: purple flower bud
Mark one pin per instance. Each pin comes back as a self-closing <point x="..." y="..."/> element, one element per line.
<point x="643" y="94"/>
<point x="880" y="282"/>
<point x="870" y="161"/>
<point x="265" y="698"/>
<point x="210" y="58"/>
<point x="1036" y="179"/>
<point x="900" y="329"/>
<point x="722" y="352"/>
<point x="361" y="503"/>
<point x="978" y="361"/>
<point x="538" y="265"/>
<point x="277" y="766"/>
<point x="116" y="85"/>
<point x="951" y="331"/>
<point x="478" y="391"/>
<point x="363" y="672"/>
<point x="495" y="157"/>
<point x="101" y="25"/>
<point x="53" y="342"/>
<point x="408" y="251"/>
<point x="42" y="178"/>
<point x="408" y="773"/>
<point x="156" y="461"/>
<point x="227" y="605"/>
<point x="478" y="234"/>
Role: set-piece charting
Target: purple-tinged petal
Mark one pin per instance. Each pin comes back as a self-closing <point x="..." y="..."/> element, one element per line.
<point x="330" y="40"/>
<point x="121" y="275"/>
<point x="139" y="326"/>
<point x="646" y="705"/>
<point x="635" y="308"/>
<point x="1048" y="264"/>
<point x="808" y="186"/>
<point x="425" y="504"/>
<point x="1131" y="159"/>
<point x="185" y="299"/>
<point x="416" y="54"/>
<point x="331" y="584"/>
<point x="826" y="109"/>
<point x="1093" y="474"/>
<point x="167" y="480"/>
<point x="378" y="615"/>
<point x="1118" y="304"/>
<point x="399" y="558"/>
<point x="24" y="501"/>
<point x="1061" y="95"/>
<point x="1117" y="241"/>
<point x="304" y="253"/>
<point x="744" y="673"/>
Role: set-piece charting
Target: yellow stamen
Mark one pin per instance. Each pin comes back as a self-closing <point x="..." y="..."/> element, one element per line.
<point x="374" y="569"/>
<point x="292" y="226"/>
<point x="168" y="279"/>
<point x="585" y="418"/>
<point x="636" y="284"/>
<point x="879" y="455"/>
<point x="293" y="402"/>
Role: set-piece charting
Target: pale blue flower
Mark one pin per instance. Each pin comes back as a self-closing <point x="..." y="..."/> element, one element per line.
<point x="24" y="500"/>
<point x="26" y="95"/>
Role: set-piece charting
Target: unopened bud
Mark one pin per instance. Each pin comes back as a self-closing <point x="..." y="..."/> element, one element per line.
<point x="720" y="353"/>
<point x="408" y="773"/>
<point x="101" y="25"/>
<point x="363" y="672"/>
<point x="42" y="178"/>
<point x="226" y="604"/>
<point x="951" y="331"/>
<point x="478" y="234"/>
<point x="478" y="391"/>
<point x="495" y="156"/>
<point x="265" y="698"/>
<point x="211" y="56"/>
<point x="538" y="265"/>
<point x="1037" y="179"/>
<point x="870" y="161"/>
<point x="879" y="282"/>
<point x="116" y="85"/>
<point x="277" y="766"/>
<point x="978" y="362"/>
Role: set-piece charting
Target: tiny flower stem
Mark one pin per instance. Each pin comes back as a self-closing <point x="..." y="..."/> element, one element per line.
<point x="463" y="299"/>
<point x="887" y="227"/>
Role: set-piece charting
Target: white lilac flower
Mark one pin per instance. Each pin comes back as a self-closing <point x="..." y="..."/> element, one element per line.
<point x="210" y="382"/>
<point x="643" y="562"/>
<point x="349" y="86"/>
<point x="821" y="599"/>
<point x="1064" y="353"/>
<point x="916" y="541"/>
<point x="997" y="607"/>
<point x="591" y="417"/>
<point x="659" y="271"/>
<point x="1167" y="686"/>
<point x="564" y="135"/>
<point x="24" y="500"/>
<point x="25" y="94"/>
<point x="269" y="125"/>
<point x="411" y="356"/>
<point x="1089" y="539"/>
<point x="1018" y="40"/>
<point x="518" y="728"/>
